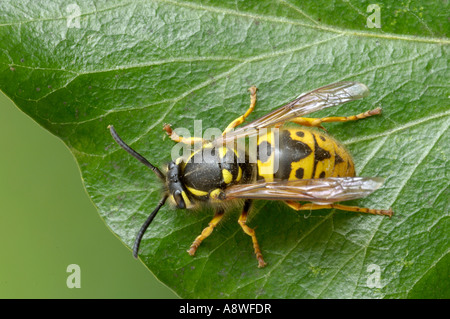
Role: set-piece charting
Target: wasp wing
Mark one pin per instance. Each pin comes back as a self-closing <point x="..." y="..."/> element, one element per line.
<point x="322" y="190"/>
<point x="319" y="99"/>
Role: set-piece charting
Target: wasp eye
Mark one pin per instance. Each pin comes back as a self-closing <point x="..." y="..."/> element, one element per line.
<point x="179" y="199"/>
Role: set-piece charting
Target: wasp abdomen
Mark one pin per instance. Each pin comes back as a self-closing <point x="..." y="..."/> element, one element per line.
<point x="301" y="153"/>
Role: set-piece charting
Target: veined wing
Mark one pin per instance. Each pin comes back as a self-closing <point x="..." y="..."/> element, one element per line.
<point x="319" y="99"/>
<point x="322" y="190"/>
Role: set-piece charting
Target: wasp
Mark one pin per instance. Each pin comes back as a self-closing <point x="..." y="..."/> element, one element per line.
<point x="294" y="163"/>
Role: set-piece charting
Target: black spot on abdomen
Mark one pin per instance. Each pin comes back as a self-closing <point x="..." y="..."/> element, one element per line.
<point x="337" y="159"/>
<point x="290" y="151"/>
<point x="264" y="151"/>
<point x="299" y="173"/>
<point x="320" y="154"/>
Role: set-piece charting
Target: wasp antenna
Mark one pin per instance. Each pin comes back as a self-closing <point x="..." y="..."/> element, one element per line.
<point x="144" y="227"/>
<point x="135" y="154"/>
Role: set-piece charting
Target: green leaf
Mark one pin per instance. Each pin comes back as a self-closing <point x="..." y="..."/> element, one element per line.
<point x="76" y="66"/>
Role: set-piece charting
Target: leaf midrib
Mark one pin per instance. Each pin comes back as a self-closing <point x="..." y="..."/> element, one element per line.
<point x="389" y="36"/>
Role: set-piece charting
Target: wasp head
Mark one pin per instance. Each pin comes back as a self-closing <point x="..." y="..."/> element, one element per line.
<point x="177" y="190"/>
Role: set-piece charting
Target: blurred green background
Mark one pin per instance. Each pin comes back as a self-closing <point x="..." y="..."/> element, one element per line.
<point x="48" y="222"/>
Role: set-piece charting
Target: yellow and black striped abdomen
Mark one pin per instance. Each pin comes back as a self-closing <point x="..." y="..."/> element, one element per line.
<point x="301" y="153"/>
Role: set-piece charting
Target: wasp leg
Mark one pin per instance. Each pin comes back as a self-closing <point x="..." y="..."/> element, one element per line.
<point x="206" y="232"/>
<point x="311" y="206"/>
<point x="242" y="118"/>
<point x="242" y="221"/>
<point x="318" y="121"/>
<point x="175" y="137"/>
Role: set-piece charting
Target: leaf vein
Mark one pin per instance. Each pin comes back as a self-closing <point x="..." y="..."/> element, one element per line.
<point x="318" y="26"/>
<point x="259" y="17"/>
<point x="397" y="129"/>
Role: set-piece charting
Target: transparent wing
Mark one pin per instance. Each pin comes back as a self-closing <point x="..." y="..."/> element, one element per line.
<point x="319" y="99"/>
<point x="323" y="190"/>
